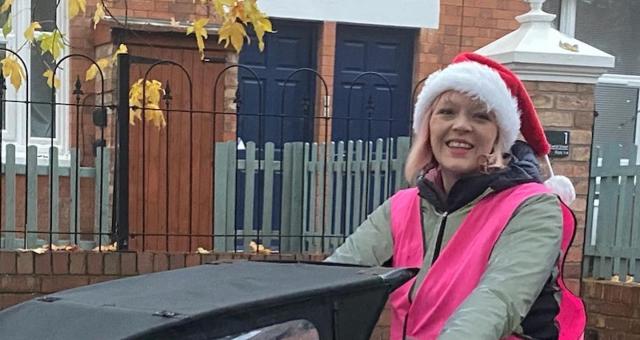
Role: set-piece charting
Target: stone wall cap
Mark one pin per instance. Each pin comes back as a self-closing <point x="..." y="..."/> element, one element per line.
<point x="537" y="42"/>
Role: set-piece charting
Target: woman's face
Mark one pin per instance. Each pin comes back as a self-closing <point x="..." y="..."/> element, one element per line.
<point x="460" y="131"/>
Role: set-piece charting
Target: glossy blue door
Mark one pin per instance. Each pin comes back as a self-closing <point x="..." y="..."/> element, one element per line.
<point x="290" y="48"/>
<point x="282" y="120"/>
<point x="371" y="112"/>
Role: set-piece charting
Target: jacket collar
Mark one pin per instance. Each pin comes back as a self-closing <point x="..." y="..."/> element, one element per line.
<point x="522" y="168"/>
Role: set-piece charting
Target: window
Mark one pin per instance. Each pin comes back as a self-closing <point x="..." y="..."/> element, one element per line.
<point x="40" y="123"/>
<point x="611" y="26"/>
<point x="553" y="6"/>
<point x="290" y="330"/>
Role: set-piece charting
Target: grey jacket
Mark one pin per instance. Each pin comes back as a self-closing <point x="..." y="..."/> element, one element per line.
<point x="522" y="262"/>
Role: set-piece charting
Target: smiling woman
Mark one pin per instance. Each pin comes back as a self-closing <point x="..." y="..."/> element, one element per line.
<point x="488" y="237"/>
<point x="463" y="133"/>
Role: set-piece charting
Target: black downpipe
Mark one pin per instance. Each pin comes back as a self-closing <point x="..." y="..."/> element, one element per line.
<point x="122" y="171"/>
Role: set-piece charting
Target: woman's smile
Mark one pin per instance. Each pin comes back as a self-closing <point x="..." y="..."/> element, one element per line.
<point x="462" y="130"/>
<point x="459" y="147"/>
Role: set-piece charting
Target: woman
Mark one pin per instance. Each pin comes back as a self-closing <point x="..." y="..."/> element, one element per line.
<point x="489" y="239"/>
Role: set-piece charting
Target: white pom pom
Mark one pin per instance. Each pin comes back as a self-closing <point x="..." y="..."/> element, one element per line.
<point x="562" y="186"/>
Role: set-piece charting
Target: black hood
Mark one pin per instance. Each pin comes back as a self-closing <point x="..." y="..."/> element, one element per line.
<point x="522" y="168"/>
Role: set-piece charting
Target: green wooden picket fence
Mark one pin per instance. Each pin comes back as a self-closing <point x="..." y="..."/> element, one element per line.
<point x="612" y="240"/>
<point x="320" y="192"/>
<point x="12" y="235"/>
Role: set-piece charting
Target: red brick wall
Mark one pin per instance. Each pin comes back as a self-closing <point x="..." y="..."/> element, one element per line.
<point x="465" y="25"/>
<point x="568" y="106"/>
<point x="613" y="309"/>
<point x="25" y="275"/>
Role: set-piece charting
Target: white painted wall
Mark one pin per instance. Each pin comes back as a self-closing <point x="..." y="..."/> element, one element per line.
<point x="404" y="13"/>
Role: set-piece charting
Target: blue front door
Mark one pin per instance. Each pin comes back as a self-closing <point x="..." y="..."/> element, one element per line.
<point x="282" y="119"/>
<point x="371" y="112"/>
<point x="290" y="48"/>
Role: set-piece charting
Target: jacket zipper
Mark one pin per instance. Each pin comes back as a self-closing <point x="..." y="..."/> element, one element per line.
<point x="436" y="252"/>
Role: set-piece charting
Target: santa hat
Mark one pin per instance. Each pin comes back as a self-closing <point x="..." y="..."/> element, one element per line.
<point x="505" y="95"/>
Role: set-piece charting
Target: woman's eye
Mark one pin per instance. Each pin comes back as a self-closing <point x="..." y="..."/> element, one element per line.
<point x="482" y="116"/>
<point x="445" y="112"/>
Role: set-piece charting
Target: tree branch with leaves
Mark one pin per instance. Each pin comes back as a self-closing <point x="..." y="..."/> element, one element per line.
<point x="235" y="17"/>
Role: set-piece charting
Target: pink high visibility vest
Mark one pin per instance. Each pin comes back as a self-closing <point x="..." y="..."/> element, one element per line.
<point x="463" y="261"/>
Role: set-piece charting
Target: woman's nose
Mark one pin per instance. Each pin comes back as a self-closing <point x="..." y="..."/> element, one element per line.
<point x="461" y="123"/>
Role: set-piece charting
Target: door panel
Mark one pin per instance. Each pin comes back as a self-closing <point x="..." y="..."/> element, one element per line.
<point x="291" y="48"/>
<point x="281" y="120"/>
<point x="367" y="110"/>
<point x="170" y="169"/>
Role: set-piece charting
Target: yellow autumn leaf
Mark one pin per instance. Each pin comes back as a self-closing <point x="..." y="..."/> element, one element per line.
<point x="77" y="6"/>
<point x="259" y="20"/>
<point x="51" y="43"/>
<point x="155" y="116"/>
<point x="6" y="5"/>
<point x="12" y="70"/>
<point x="261" y="26"/>
<point x="200" y="32"/>
<point x="107" y="247"/>
<point x="202" y="251"/>
<point x="233" y="32"/>
<point x="219" y="6"/>
<point x="92" y="72"/>
<point x="259" y="248"/>
<point x="122" y="49"/>
<point x="134" y="114"/>
<point x="135" y="100"/>
<point x="98" y="15"/>
<point x="31" y="30"/>
<point x="50" y="79"/>
<point x="250" y="8"/>
<point x="153" y="92"/>
<point x="39" y="250"/>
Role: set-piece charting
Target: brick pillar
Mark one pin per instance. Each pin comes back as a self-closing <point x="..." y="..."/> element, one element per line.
<point x="569" y="107"/>
<point x="229" y="107"/>
<point x="326" y="68"/>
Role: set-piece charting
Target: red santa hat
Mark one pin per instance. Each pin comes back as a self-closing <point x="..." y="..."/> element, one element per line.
<point x="505" y="95"/>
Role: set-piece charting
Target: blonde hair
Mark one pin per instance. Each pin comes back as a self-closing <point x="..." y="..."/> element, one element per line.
<point x="421" y="160"/>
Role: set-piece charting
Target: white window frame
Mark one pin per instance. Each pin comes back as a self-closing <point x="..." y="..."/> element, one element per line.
<point x="567" y="25"/>
<point x="567" y="18"/>
<point x="15" y="124"/>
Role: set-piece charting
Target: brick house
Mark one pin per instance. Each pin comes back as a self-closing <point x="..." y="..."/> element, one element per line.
<point x="395" y="42"/>
<point x="404" y="49"/>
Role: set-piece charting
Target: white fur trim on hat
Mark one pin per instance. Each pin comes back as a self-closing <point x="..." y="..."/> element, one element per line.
<point x="480" y="82"/>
